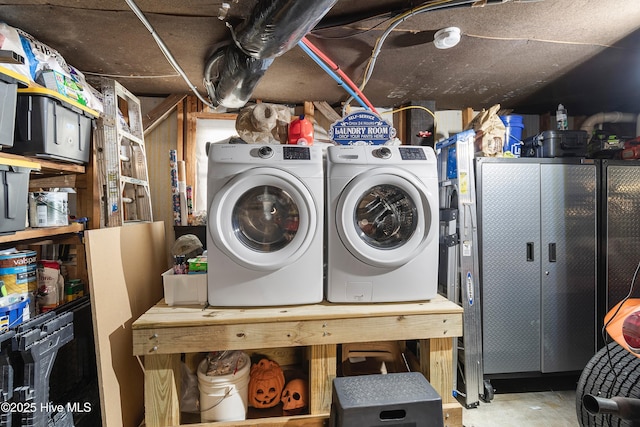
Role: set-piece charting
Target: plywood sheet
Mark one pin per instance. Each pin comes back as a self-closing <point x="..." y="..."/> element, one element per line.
<point x="125" y="266"/>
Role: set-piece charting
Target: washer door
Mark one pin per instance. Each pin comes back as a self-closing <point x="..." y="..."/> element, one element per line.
<point x="386" y="216"/>
<point x="263" y="219"/>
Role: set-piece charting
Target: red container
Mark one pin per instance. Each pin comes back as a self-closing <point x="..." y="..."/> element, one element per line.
<point x="631" y="153"/>
<point x="301" y="131"/>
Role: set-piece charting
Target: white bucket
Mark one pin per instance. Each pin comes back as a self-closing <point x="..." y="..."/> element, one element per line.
<point x="224" y="397"/>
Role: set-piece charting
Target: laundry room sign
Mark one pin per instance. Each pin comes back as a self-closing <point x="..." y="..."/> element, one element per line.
<point x="361" y="128"/>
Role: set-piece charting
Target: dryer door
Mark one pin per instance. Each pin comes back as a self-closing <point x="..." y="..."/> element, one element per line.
<point x="385" y="216"/>
<point x="263" y="219"/>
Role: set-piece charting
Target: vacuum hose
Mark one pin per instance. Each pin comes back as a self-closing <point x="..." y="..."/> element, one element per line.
<point x="275" y="26"/>
<point x="625" y="408"/>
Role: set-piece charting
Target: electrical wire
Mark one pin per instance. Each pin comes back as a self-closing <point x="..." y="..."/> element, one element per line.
<point x="128" y="76"/>
<point x="436" y="5"/>
<point x="165" y="51"/>
<point x="357" y="32"/>
<point x="529" y="39"/>
<point x="329" y="71"/>
<point x="419" y="107"/>
<point x="439" y="4"/>
<point x="338" y="71"/>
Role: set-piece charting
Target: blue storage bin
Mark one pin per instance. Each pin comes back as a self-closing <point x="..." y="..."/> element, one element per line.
<point x="14" y="314"/>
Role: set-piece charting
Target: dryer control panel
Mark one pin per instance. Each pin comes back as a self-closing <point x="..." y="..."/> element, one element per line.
<point x="296" y="153"/>
<point x="412" y="153"/>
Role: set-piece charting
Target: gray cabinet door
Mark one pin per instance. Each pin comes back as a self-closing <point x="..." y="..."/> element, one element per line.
<point x="621" y="228"/>
<point x="568" y="280"/>
<point x="509" y="206"/>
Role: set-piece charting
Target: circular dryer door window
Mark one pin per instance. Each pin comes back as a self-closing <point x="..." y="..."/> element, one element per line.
<point x="263" y="219"/>
<point x="385" y="216"/>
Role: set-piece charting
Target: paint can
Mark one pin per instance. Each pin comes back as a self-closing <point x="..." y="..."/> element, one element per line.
<point x="18" y="272"/>
<point x="48" y="209"/>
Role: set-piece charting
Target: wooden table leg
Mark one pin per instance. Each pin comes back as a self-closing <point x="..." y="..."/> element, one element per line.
<point x="436" y="363"/>
<point x="162" y="390"/>
<point x="322" y="371"/>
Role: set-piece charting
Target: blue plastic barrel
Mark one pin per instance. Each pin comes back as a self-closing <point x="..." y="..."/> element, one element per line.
<point x="513" y="134"/>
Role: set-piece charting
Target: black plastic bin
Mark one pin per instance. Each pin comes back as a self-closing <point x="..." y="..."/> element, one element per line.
<point x="47" y="126"/>
<point x="556" y="143"/>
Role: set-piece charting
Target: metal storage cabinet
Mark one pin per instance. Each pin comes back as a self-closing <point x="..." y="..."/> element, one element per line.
<point x="537" y="232"/>
<point x="620" y="228"/>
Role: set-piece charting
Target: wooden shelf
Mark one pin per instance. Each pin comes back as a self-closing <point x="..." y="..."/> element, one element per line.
<point x="41" y="233"/>
<point x="44" y="173"/>
<point x="164" y="332"/>
<point x="47" y="167"/>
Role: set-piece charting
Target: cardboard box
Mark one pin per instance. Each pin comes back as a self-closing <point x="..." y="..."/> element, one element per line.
<point x="63" y="85"/>
<point x="368" y="358"/>
<point x="184" y="289"/>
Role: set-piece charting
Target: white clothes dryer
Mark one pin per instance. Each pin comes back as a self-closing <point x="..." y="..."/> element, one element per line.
<point x="382" y="223"/>
<point x="265" y="225"/>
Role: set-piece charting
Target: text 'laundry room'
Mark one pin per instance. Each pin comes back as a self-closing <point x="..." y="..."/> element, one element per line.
<point x="319" y="214"/>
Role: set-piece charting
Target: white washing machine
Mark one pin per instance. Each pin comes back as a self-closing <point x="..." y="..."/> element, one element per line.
<point x="382" y="223"/>
<point x="265" y="225"/>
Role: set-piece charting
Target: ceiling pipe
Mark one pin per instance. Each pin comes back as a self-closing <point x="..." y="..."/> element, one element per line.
<point x="336" y="73"/>
<point x="231" y="76"/>
<point x="275" y="26"/>
<point x="610" y="117"/>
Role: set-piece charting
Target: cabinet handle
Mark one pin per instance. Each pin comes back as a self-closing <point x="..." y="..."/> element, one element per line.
<point x="552" y="252"/>
<point x="530" y="256"/>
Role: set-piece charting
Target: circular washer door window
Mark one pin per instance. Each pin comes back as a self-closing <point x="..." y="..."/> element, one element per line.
<point x="266" y="218"/>
<point x="263" y="219"/>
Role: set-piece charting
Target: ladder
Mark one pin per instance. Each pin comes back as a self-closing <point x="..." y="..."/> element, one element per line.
<point x="122" y="162"/>
<point x="458" y="275"/>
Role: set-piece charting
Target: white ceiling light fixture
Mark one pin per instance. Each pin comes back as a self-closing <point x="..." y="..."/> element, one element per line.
<point x="447" y="37"/>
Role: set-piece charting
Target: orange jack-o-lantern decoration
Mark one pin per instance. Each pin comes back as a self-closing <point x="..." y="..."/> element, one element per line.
<point x="266" y="381"/>
<point x="294" y="397"/>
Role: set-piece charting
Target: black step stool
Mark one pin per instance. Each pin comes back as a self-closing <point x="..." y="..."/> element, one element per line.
<point x="392" y="400"/>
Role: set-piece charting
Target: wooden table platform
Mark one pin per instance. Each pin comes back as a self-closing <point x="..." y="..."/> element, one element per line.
<point x="163" y="333"/>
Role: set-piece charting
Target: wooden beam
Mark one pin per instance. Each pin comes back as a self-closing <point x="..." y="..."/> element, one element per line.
<point x="436" y="364"/>
<point x="467" y="116"/>
<point x="309" y="110"/>
<point x="160" y="112"/>
<point x="181" y="119"/>
<point x="165" y="387"/>
<point x="189" y="153"/>
<point x="400" y="124"/>
<point x="55" y="181"/>
<point x="214" y="116"/>
<point x="324" y="115"/>
<point x="323" y="368"/>
<point x="88" y="189"/>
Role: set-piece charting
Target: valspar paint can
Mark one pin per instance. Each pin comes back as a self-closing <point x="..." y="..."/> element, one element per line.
<point x="48" y="209"/>
<point x="18" y="271"/>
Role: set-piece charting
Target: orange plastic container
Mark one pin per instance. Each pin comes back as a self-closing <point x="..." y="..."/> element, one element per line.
<point x="301" y="131"/>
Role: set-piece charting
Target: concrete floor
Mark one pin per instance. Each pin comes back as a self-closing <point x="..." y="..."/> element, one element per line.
<point x="537" y="402"/>
<point x="530" y="409"/>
